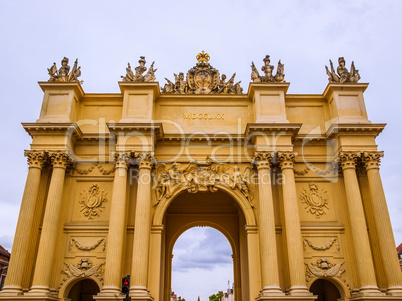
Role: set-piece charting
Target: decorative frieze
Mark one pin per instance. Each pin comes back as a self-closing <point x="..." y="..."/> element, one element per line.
<point x="194" y="177"/>
<point x="92" y="201"/>
<point x="102" y="169"/>
<point x="316" y="200"/>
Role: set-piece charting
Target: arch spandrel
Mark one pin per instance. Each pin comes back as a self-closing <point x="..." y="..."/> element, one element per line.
<point x="243" y="203"/>
<point x="208" y="176"/>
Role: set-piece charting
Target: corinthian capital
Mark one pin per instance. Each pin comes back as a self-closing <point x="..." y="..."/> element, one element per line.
<point x="372" y="159"/>
<point x="35" y="159"/>
<point x="145" y="159"/>
<point x="121" y="159"/>
<point x="286" y="159"/>
<point x="348" y="159"/>
<point x="61" y="159"/>
<point x="262" y="159"/>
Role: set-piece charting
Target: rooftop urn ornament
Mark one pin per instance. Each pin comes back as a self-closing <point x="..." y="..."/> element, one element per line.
<point x="202" y="79"/>
<point x="342" y="74"/>
<point x="268" y="70"/>
<point x="63" y="74"/>
<point x="138" y="76"/>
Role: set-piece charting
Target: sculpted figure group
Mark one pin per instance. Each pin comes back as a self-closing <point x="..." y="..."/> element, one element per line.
<point x="268" y="70"/>
<point x="343" y="76"/>
<point x="64" y="74"/>
<point x="138" y="76"/>
<point x="203" y="78"/>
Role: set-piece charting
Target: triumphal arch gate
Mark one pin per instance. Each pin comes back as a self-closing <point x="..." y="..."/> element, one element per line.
<point x="292" y="181"/>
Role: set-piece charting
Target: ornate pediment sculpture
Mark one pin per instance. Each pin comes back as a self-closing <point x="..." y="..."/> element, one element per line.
<point x="342" y="74"/>
<point x="138" y="75"/>
<point x="202" y="79"/>
<point x="63" y="74"/>
<point x="316" y="200"/>
<point x="268" y="70"/>
<point x="84" y="268"/>
<point x="324" y="268"/>
<point x="195" y="177"/>
<point x="92" y="201"/>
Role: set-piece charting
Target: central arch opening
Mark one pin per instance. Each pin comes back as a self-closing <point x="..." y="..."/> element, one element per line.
<point x="195" y="223"/>
<point x="202" y="264"/>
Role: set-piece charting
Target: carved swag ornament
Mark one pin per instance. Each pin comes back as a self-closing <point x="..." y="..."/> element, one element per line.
<point x="196" y="177"/>
<point x="202" y="79"/>
<point x="92" y="201"/>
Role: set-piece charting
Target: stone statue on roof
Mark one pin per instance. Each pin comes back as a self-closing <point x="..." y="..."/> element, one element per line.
<point x="139" y="70"/>
<point x="63" y="74"/>
<point x="342" y="74"/>
<point x="268" y="70"/>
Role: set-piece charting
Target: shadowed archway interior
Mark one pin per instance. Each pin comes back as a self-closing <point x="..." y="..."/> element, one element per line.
<point x="83" y="290"/>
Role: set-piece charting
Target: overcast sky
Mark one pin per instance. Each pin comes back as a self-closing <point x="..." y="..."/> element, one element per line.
<point x="105" y="35"/>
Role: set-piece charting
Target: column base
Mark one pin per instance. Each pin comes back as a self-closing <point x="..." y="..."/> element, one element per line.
<point x="11" y="291"/>
<point x="394" y="291"/>
<point x="140" y="293"/>
<point x="110" y="293"/>
<point x="300" y="291"/>
<point x="270" y="291"/>
<point x="287" y="298"/>
<point x="369" y="291"/>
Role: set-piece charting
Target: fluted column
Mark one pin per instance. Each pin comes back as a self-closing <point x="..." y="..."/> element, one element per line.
<point x="13" y="284"/>
<point x="266" y="227"/>
<point x="117" y="228"/>
<point x="47" y="243"/>
<point x="142" y="228"/>
<point x="382" y="222"/>
<point x="292" y="226"/>
<point x="363" y="257"/>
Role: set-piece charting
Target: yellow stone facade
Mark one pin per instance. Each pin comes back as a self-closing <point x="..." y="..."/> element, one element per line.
<point x="292" y="181"/>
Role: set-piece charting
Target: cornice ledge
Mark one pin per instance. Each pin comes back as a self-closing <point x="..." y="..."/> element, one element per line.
<point x="371" y="129"/>
<point x="155" y="127"/>
<point x="289" y="128"/>
<point x="76" y="86"/>
<point x="267" y="86"/>
<point x="344" y="87"/>
<point x="45" y="129"/>
<point x="140" y="86"/>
